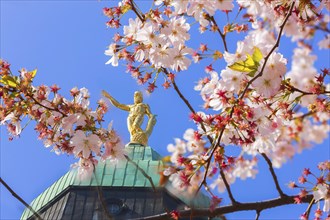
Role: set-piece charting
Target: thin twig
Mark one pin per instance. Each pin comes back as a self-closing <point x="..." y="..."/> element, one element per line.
<point x="143" y="172"/>
<point x="182" y="97"/>
<point x="20" y="198"/>
<point x="101" y="198"/>
<point x="223" y="36"/>
<point x="270" y="52"/>
<point x="257" y="214"/>
<point x="271" y="169"/>
<point x="214" y="145"/>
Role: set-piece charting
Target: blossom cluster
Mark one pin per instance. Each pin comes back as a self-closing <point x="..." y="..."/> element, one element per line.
<point x="318" y="185"/>
<point x="69" y="126"/>
<point x="255" y="97"/>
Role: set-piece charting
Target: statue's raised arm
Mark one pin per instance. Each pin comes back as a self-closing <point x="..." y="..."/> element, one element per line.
<point x="137" y="112"/>
<point x="115" y="102"/>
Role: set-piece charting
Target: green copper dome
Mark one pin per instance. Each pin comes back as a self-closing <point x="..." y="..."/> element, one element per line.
<point x="110" y="175"/>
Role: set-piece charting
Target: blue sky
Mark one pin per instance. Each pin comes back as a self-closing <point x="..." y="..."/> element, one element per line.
<point x="66" y="40"/>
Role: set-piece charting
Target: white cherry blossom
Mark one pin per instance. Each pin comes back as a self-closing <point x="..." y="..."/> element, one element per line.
<point x="85" y="144"/>
<point x="323" y="192"/>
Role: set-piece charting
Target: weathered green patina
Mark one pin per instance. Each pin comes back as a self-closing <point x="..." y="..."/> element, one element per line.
<point x="117" y="175"/>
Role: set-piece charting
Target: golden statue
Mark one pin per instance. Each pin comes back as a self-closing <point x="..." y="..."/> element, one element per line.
<point x="137" y="111"/>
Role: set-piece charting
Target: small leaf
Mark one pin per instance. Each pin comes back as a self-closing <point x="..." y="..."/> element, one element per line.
<point x="257" y="55"/>
<point x="9" y="81"/>
<point x="166" y="159"/>
<point x="33" y="73"/>
<point x="249" y="61"/>
<point x="250" y="64"/>
<point x="241" y="66"/>
<point x="14" y="94"/>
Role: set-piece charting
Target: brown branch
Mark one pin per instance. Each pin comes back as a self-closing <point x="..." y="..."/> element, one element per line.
<point x="19" y="198"/>
<point x="271" y="169"/>
<point x="223" y="36"/>
<point x="230" y="194"/>
<point x="183" y="98"/>
<point x="42" y="105"/>
<point x="214" y="145"/>
<point x="270" y="52"/>
<point x="143" y="172"/>
<point x="253" y="206"/>
<point x="136" y="12"/>
<point x="257" y="214"/>
<point x="209" y="162"/>
<point x="305" y="115"/>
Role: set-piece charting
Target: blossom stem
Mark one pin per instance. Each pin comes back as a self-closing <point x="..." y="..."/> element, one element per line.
<point x="19" y="198"/>
<point x="214" y="146"/>
<point x="309" y="208"/>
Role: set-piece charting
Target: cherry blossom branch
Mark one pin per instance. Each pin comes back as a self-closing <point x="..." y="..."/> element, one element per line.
<point x="42" y="105"/>
<point x="36" y="101"/>
<point x="257" y="206"/>
<point x="210" y="140"/>
<point x="223" y="36"/>
<point x="208" y="161"/>
<point x="19" y="198"/>
<point x="271" y="169"/>
<point x="270" y="52"/>
<point x="213" y="150"/>
<point x="143" y="172"/>
<point x="183" y="98"/>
